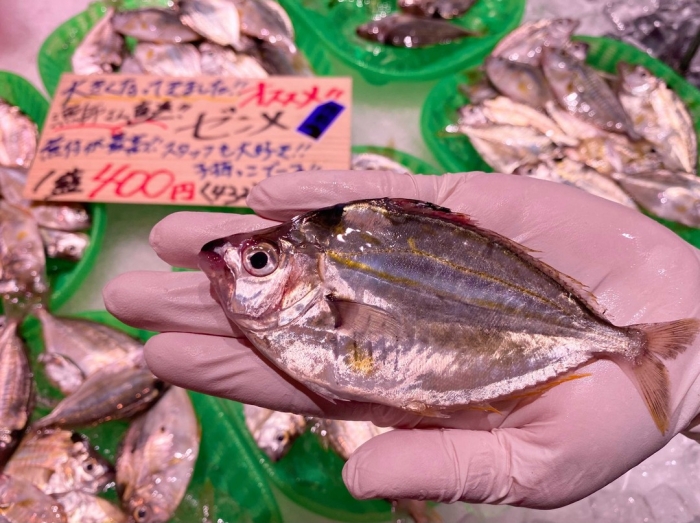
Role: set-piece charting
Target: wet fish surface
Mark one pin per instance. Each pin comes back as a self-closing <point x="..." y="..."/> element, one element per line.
<point x="526" y="43"/>
<point x="18" y="137"/>
<point x="404" y="303"/>
<point x="446" y="9"/>
<point x="16" y="399"/>
<point x="157" y="458"/>
<point x="81" y="507"/>
<point x="273" y="432"/>
<point x="168" y="59"/>
<point x="101" y="50"/>
<point x="161" y="26"/>
<point x="402" y="30"/>
<point x="22" y="502"/>
<point x="59" y="462"/>
<point x="117" y="391"/>
<point x="377" y="162"/>
<point x="64" y="245"/>
<point x="522" y="82"/>
<point x="267" y="21"/>
<point x="217" y="20"/>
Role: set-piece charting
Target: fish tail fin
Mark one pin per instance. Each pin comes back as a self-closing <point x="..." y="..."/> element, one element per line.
<point x="661" y="341"/>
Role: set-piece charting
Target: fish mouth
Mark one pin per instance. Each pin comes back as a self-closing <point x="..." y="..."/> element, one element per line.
<point x="211" y="261"/>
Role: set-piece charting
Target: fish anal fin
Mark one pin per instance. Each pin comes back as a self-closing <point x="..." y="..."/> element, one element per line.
<point x="540" y="389"/>
<point x="484" y="407"/>
<point x="420" y="408"/>
<point x="652" y="378"/>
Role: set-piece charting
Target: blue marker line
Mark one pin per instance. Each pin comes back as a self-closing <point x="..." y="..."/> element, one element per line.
<point x="320" y="119"/>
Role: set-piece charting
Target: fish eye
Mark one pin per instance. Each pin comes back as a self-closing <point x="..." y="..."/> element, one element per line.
<point x="260" y="259"/>
<point x="89" y="467"/>
<point x="280" y="437"/>
<point x="140" y="514"/>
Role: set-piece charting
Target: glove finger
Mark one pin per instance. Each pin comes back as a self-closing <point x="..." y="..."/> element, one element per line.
<point x="178" y="238"/>
<point x="167" y="302"/>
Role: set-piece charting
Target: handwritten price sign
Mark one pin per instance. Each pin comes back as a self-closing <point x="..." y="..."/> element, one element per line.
<point x="195" y="141"/>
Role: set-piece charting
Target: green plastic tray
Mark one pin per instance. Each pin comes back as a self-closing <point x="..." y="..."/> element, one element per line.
<point x="455" y="152"/>
<point x="65" y="276"/>
<point x="333" y="22"/>
<point x="309" y="474"/>
<point x="227" y="477"/>
<point x="55" y="54"/>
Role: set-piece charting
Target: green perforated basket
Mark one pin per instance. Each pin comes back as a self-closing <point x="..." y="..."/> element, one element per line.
<point x="333" y="24"/>
<point x="65" y="276"/>
<point x="55" y="54"/>
<point x="227" y="477"/>
<point x="455" y="152"/>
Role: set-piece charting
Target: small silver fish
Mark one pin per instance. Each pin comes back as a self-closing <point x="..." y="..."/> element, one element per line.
<point x="224" y="61"/>
<point x="446" y="9"/>
<point x="610" y="152"/>
<point x="168" y="59"/>
<point x="402" y="30"/>
<point x="59" y="462"/>
<point x="117" y="391"/>
<point x="157" y="458"/>
<point x="523" y="83"/>
<point x="86" y="508"/>
<point x="274" y="432"/>
<point x="216" y="20"/>
<point x="670" y="195"/>
<point x="22" y="502"/>
<point x="76" y="348"/>
<point x="581" y="91"/>
<point x="18" y="137"/>
<point x="660" y="116"/>
<point x="525" y="44"/>
<point x="377" y="162"/>
<point x="160" y="26"/>
<point x="16" y="396"/>
<point x="64" y="245"/>
<point x="404" y="303"/>
<point x="266" y="20"/>
<point x="581" y="176"/>
<point x="101" y="50"/>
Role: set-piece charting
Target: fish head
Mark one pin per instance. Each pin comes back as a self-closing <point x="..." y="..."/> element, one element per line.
<point x="149" y="509"/>
<point x="274" y="440"/>
<point x="263" y="279"/>
<point x="636" y="80"/>
<point x="472" y="115"/>
<point x="370" y="30"/>
<point x="560" y="30"/>
<point x="578" y="50"/>
<point x="91" y="472"/>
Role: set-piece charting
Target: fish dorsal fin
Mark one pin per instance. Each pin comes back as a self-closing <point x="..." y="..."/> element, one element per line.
<point x="571" y="285"/>
<point x="362" y="321"/>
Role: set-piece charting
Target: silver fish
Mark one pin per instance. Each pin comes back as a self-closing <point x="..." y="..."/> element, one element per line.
<point x="18" y="137"/>
<point x="224" y="61"/>
<point x="274" y="432"/>
<point x="161" y="26"/>
<point x="168" y="59"/>
<point x="75" y="348"/>
<point x="609" y="153"/>
<point x="525" y="44"/>
<point x="581" y="176"/>
<point x="571" y="125"/>
<point x="404" y="303"/>
<point x="345" y="437"/>
<point x="523" y="83"/>
<point x="217" y="20"/>
<point x="86" y="508"/>
<point x="377" y="162"/>
<point x="59" y="462"/>
<point x="117" y="391"/>
<point x="64" y="245"/>
<point x="507" y="147"/>
<point x="446" y="9"/>
<point x="581" y="91"/>
<point x="503" y="110"/>
<point x="15" y="390"/>
<point x="157" y="458"/>
<point x="24" y="282"/>
<point x="660" y="116"/>
<point x="101" y="50"/>
<point x="266" y="20"/>
<point x="670" y="195"/>
<point x="278" y="60"/>
<point x="22" y="502"/>
<point x="402" y="30"/>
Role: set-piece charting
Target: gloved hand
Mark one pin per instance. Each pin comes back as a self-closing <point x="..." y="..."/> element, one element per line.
<point x="540" y="453"/>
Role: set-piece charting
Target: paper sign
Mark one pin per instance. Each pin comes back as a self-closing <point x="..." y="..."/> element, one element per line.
<point x="193" y="141"/>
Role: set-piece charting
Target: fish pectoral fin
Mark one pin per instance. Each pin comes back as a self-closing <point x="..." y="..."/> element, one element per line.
<point x="362" y="320"/>
<point x="420" y="408"/>
<point x="540" y="389"/>
<point x="484" y="407"/>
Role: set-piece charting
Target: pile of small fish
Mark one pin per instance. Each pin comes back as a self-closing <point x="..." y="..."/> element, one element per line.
<point x="232" y="38"/>
<point x="275" y="432"/>
<point x="542" y="112"/>
<point x="48" y="472"/>
<point x="420" y="23"/>
<point x="30" y="231"/>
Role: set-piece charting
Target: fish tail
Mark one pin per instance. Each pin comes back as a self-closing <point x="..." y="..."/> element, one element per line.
<point x="661" y="341"/>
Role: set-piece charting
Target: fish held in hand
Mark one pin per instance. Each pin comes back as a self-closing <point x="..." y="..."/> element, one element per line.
<point x="406" y="304"/>
<point x="401" y="30"/>
<point x="273" y="432"/>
